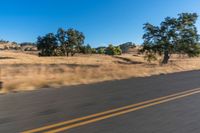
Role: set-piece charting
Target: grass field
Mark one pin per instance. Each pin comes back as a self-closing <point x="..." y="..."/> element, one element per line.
<point x="23" y="72"/>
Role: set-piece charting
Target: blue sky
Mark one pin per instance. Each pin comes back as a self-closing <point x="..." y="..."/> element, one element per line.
<point x="102" y="21"/>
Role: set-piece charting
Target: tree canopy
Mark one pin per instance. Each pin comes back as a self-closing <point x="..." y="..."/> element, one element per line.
<point x="47" y="44"/>
<point x="174" y="35"/>
<point x="65" y="42"/>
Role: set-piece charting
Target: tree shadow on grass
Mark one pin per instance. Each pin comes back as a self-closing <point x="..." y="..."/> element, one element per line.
<point x="5" y="58"/>
<point x="126" y="61"/>
<point x="75" y="65"/>
<point x="55" y="65"/>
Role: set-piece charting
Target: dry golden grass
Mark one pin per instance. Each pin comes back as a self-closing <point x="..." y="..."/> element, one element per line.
<point x="22" y="72"/>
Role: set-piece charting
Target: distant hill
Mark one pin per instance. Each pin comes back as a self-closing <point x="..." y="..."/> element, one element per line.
<point x="9" y="46"/>
<point x="127" y="47"/>
<point x="5" y="45"/>
<point x="27" y="46"/>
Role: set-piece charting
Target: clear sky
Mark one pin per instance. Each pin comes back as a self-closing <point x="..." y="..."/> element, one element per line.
<point x="102" y="21"/>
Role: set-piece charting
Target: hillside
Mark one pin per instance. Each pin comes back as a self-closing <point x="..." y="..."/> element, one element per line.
<point x="14" y="46"/>
<point x="9" y="46"/>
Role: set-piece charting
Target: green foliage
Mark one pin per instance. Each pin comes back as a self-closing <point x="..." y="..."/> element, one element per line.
<point x="117" y="51"/>
<point x="63" y="43"/>
<point x="174" y="35"/>
<point x="75" y="40"/>
<point x="150" y="57"/>
<point x="101" y="51"/>
<point x="70" y="40"/>
<point x="86" y="49"/>
<point x="47" y="44"/>
<point x="112" y="50"/>
<point x="194" y="51"/>
<point x="94" y="51"/>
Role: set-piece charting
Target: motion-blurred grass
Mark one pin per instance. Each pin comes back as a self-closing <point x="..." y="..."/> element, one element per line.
<point x="23" y="72"/>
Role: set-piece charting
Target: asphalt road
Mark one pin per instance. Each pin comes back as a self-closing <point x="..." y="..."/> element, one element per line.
<point x="178" y="114"/>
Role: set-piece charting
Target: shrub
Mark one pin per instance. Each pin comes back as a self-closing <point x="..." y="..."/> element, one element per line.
<point x="101" y="51"/>
<point x="112" y="50"/>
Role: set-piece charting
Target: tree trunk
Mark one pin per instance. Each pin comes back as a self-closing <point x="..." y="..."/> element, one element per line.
<point x="72" y="54"/>
<point x="166" y="57"/>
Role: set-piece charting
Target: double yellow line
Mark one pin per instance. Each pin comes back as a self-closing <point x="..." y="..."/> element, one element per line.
<point x="66" y="125"/>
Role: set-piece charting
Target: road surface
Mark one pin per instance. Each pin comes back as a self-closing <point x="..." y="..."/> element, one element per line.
<point x="158" y="104"/>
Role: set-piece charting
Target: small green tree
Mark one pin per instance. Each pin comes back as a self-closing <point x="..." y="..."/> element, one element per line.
<point x="117" y="51"/>
<point x="112" y="50"/>
<point x="101" y="51"/>
<point x="174" y="35"/>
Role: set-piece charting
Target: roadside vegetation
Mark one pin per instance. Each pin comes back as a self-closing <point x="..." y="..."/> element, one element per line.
<point x="62" y="58"/>
<point x="68" y="43"/>
<point x="23" y="72"/>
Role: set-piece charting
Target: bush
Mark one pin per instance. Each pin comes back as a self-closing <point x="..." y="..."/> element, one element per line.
<point x="86" y="49"/>
<point x="101" y="51"/>
<point x="112" y="50"/>
<point x="117" y="51"/>
<point x="94" y="51"/>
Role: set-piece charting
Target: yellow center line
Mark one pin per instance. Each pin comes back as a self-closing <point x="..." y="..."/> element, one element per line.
<point x="107" y="114"/>
<point x="119" y="113"/>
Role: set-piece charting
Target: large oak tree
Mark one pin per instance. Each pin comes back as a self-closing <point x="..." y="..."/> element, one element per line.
<point x="65" y="42"/>
<point x="174" y="35"/>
